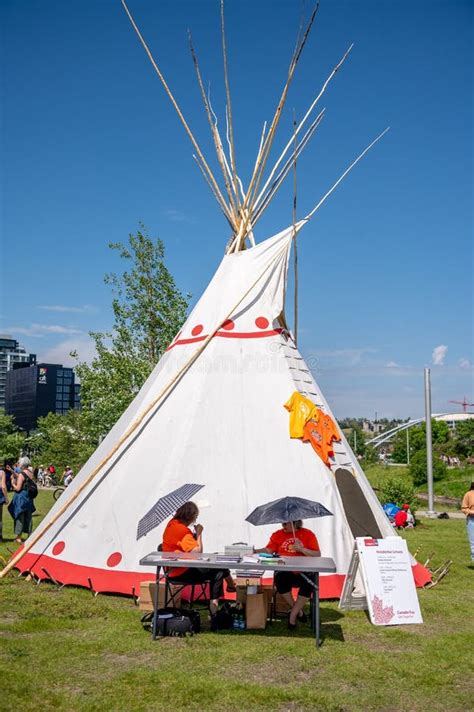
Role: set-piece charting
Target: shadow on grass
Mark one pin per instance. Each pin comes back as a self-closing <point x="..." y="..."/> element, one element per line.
<point x="279" y="628"/>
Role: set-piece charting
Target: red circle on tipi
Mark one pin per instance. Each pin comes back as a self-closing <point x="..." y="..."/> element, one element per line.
<point x="114" y="559"/>
<point x="58" y="548"/>
<point x="261" y="322"/>
<point x="197" y="330"/>
<point x="228" y="325"/>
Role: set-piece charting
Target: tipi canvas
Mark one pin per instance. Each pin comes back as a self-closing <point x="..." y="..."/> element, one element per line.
<point x="222" y="425"/>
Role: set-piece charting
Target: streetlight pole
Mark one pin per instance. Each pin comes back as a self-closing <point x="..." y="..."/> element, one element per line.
<point x="429" y="443"/>
<point x="408" y="446"/>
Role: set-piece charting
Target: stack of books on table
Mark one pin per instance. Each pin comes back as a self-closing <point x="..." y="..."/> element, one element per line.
<point x="240" y="549"/>
<point x="249" y="574"/>
<point x="228" y="558"/>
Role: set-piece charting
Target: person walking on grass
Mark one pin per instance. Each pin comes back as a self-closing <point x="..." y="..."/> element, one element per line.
<point x="467" y="507"/>
<point x="21" y="507"/>
<point x="3" y="496"/>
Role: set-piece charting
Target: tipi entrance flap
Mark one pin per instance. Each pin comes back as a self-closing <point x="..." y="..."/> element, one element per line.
<point x="358" y="512"/>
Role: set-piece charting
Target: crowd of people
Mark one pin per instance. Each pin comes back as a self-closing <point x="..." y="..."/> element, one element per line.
<point x="18" y="489"/>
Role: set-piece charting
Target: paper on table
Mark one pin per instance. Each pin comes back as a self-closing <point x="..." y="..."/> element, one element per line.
<point x="250" y="559"/>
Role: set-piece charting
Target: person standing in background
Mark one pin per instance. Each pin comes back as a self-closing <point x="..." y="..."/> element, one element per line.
<point x="3" y="497"/>
<point x="467" y="507"/>
<point x="21" y="507"/>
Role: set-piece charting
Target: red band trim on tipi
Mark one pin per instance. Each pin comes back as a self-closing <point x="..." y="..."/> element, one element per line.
<point x="228" y="335"/>
<point x="128" y="582"/>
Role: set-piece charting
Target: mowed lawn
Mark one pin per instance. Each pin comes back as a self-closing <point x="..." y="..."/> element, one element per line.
<point x="66" y="649"/>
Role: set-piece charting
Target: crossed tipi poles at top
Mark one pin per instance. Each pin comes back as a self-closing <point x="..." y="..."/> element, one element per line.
<point x="243" y="209"/>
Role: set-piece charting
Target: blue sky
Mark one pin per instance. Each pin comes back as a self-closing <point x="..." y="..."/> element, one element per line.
<point x="91" y="146"/>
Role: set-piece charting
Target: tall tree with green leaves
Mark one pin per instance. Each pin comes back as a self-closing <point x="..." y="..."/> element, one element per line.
<point x="464" y="438"/>
<point x="11" y="440"/>
<point x="148" y="310"/>
<point x="417" y="440"/>
<point x="61" y="440"/>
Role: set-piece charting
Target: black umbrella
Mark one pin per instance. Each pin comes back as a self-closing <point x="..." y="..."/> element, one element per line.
<point x="287" y="509"/>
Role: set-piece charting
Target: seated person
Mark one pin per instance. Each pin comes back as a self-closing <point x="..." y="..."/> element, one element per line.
<point x="293" y="540"/>
<point x="404" y="519"/>
<point x="178" y="537"/>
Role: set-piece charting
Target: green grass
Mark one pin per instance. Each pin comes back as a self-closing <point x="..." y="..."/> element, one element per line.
<point x="66" y="649"/>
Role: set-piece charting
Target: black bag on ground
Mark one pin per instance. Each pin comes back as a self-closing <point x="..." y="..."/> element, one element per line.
<point x="224" y="616"/>
<point x="174" y="622"/>
<point x="31" y="487"/>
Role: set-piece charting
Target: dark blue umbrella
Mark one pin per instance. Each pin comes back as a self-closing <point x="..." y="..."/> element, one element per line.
<point x="166" y="506"/>
<point x="287" y="509"/>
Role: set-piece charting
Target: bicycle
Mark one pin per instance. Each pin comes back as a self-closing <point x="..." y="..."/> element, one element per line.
<point x="58" y="492"/>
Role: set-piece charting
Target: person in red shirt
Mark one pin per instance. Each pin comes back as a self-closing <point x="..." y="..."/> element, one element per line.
<point x="401" y="517"/>
<point x="178" y="537"/>
<point x="293" y="540"/>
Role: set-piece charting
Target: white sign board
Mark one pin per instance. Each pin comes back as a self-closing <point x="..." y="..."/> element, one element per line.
<point x="388" y="579"/>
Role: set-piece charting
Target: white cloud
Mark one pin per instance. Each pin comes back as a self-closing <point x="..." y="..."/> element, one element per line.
<point x="392" y="364"/>
<point x="177" y="216"/>
<point x="439" y="354"/>
<point x="464" y="363"/>
<point x="39" y="330"/>
<point x="66" y="309"/>
<point x="84" y="346"/>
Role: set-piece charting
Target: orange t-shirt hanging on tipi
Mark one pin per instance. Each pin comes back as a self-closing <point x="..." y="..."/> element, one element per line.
<point x="321" y="434"/>
<point x="301" y="409"/>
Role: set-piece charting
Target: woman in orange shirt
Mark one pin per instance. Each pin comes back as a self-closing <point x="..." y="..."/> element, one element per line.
<point x="179" y="537"/>
<point x="293" y="540"/>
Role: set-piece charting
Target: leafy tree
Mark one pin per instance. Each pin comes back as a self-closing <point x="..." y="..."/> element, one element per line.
<point x="463" y="440"/>
<point x="61" y="439"/>
<point x="418" y="468"/>
<point x="148" y="311"/>
<point x="417" y="437"/>
<point x="11" y="440"/>
<point x="371" y="454"/>
<point x="356" y="439"/>
<point x="399" y="491"/>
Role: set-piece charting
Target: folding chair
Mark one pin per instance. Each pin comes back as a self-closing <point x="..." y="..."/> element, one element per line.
<point x="173" y="587"/>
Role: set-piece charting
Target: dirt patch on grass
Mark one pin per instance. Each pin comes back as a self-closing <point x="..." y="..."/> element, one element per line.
<point x="280" y="671"/>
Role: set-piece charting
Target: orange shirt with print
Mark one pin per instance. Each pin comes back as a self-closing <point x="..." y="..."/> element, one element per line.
<point x="329" y="427"/>
<point x="177" y="537"/>
<point x="282" y="542"/>
<point x="321" y="434"/>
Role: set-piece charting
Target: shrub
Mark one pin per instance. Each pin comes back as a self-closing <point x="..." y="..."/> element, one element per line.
<point x="399" y="491"/>
<point x="418" y="469"/>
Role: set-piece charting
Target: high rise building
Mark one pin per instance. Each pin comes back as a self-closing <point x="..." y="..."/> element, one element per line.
<point x="10" y="353"/>
<point x="38" y="389"/>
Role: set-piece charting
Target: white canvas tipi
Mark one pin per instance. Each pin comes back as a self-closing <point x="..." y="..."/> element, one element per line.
<point x="212" y="413"/>
<point x="222" y="425"/>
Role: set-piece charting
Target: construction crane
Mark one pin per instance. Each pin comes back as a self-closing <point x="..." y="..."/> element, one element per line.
<point x="464" y="404"/>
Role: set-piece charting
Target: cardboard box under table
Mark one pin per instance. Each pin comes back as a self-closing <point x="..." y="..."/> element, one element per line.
<point x="147" y="596"/>
<point x="276" y="604"/>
